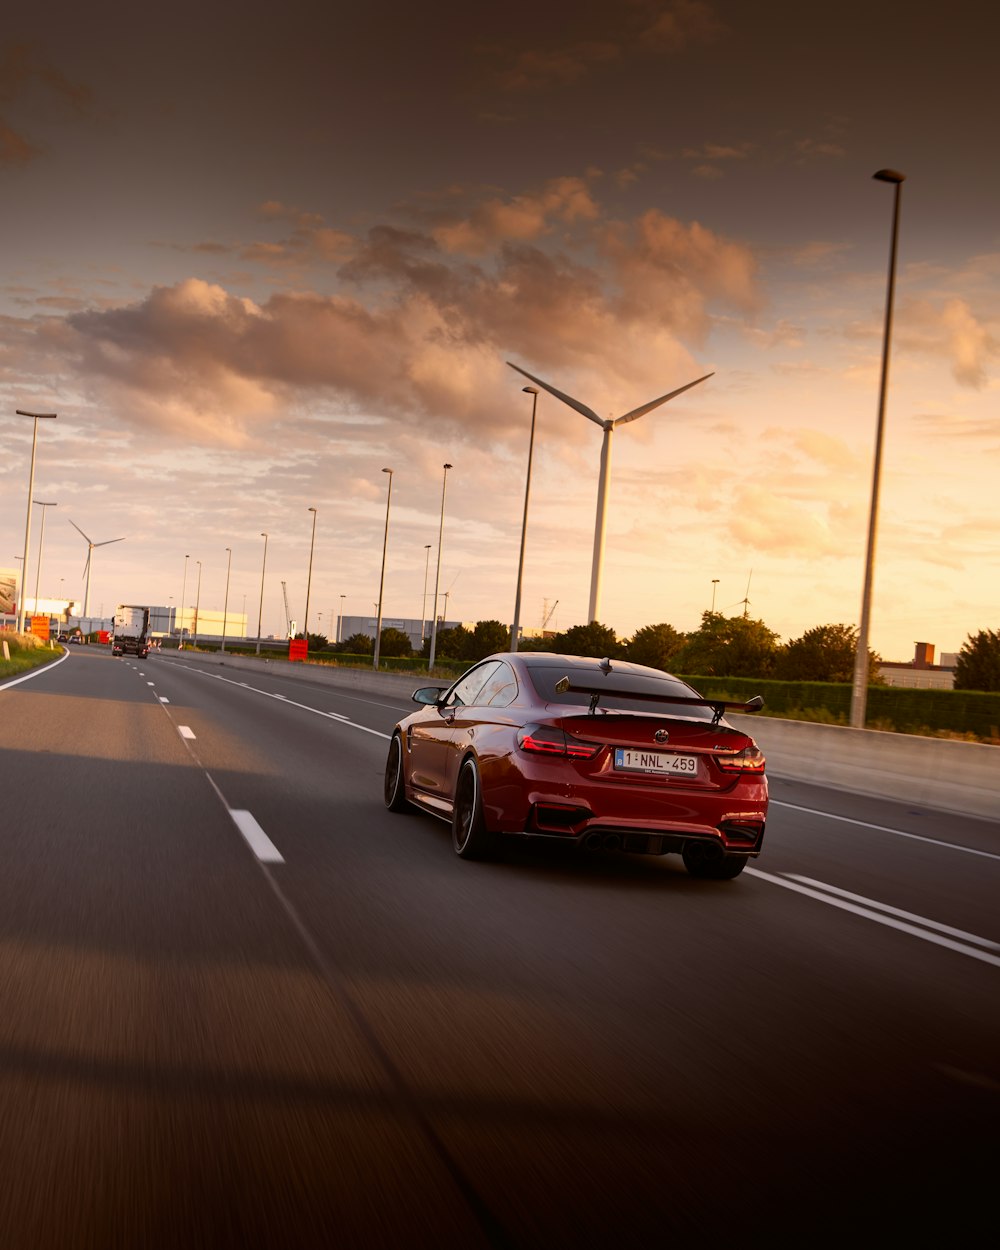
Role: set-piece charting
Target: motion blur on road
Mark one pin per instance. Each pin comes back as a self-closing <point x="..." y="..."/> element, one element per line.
<point x="243" y="1005"/>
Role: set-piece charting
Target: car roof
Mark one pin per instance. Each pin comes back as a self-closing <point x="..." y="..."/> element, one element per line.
<point x="546" y="659"/>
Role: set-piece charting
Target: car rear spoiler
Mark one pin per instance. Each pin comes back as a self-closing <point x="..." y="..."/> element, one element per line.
<point x="719" y="706"/>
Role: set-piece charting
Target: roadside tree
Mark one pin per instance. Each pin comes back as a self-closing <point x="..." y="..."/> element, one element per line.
<point x="728" y="646"/>
<point x="487" y="638"/>
<point x="978" y="663"/>
<point x="595" y="640"/>
<point x="654" y="645"/>
<point x="824" y="653"/>
<point x="394" y="643"/>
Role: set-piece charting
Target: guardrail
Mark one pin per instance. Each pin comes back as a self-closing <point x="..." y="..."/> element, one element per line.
<point x="960" y="777"/>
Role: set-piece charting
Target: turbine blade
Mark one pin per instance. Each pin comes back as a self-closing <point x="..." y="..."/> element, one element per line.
<point x="636" y="413"/>
<point x="109" y="540"/>
<point x="77" y="528"/>
<point x="582" y="409"/>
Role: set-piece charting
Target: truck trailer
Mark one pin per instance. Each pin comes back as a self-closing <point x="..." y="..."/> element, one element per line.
<point x="131" y="633"/>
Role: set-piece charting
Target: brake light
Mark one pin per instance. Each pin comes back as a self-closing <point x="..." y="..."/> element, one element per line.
<point x="749" y="760"/>
<point x="545" y="740"/>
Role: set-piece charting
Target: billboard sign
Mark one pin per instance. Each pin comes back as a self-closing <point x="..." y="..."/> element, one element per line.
<point x="8" y="591"/>
<point x="40" y="627"/>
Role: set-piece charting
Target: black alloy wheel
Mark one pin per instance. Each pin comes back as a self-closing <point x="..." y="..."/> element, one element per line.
<point x="469" y="835"/>
<point x="394" y="791"/>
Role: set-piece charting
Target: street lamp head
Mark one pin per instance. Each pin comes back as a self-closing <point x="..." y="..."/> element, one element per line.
<point x="389" y="471"/>
<point x="449" y="466"/>
<point x="311" y="509"/>
<point x="889" y="175"/>
<point x="39" y="416"/>
<point x="43" y="503"/>
<point x="530" y="390"/>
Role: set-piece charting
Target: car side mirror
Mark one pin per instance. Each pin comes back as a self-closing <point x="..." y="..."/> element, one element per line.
<point x="428" y="694"/>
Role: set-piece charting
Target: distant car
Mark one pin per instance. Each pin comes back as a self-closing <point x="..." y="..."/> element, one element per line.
<point x="600" y="753"/>
<point x="77" y="638"/>
<point x="63" y="638"/>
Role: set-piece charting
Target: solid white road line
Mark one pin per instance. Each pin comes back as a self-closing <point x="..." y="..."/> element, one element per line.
<point x="900" y="833"/>
<point x="337" y="716"/>
<point x="925" y="935"/>
<point x="257" y="839"/>
<point x="185" y="732"/>
<point x="35" y="672"/>
<point x="895" y="911"/>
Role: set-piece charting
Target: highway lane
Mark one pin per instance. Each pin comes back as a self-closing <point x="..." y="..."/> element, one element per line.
<point x="375" y="1041"/>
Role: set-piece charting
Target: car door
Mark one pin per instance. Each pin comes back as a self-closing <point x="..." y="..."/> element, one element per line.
<point x="432" y="740"/>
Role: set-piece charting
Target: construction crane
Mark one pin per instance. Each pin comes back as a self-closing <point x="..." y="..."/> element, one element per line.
<point x="547" y="613"/>
<point x="289" y="623"/>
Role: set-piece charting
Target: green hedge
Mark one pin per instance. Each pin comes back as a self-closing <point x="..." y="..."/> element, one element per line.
<point x="895" y="708"/>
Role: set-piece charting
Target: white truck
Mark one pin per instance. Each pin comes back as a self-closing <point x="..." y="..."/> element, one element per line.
<point x="131" y="633"/>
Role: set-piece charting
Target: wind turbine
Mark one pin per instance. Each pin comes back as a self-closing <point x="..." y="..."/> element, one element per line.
<point x="745" y="600"/>
<point x="86" y="568"/>
<point x="608" y="426"/>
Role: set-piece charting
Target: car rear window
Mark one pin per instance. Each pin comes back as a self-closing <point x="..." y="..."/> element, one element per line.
<point x="545" y="676"/>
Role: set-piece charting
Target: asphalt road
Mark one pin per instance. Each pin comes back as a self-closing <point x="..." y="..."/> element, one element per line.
<point x="243" y="1005"/>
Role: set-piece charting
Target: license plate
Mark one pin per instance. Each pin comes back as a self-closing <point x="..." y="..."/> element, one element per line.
<point x="629" y="760"/>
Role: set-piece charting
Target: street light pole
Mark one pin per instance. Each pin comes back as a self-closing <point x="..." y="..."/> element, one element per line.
<point x="340" y="620"/>
<point x="180" y="633"/>
<point x="36" y="417"/>
<point x="260" y="610"/>
<point x="423" y="607"/>
<point x="312" y="543"/>
<point x="715" y="582"/>
<point x="515" y="629"/>
<point x="859" y="693"/>
<point x="41" y="543"/>
<point x="225" y="606"/>
<point x="381" y="584"/>
<point x="437" y="576"/>
<point x="197" y="605"/>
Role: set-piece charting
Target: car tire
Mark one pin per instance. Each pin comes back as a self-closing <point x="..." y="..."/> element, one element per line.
<point x="469" y="835"/>
<point x="706" y="863"/>
<point x="395" y="788"/>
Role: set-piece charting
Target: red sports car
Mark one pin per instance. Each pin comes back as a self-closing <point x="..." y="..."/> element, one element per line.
<point x="601" y="753"/>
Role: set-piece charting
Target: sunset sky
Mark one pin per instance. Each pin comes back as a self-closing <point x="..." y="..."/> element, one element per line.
<point x="252" y="253"/>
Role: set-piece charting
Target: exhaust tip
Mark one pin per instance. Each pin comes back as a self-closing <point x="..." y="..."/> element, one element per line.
<point x="593" y="841"/>
<point x="612" y="842"/>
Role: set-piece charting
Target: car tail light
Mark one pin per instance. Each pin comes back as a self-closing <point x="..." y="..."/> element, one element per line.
<point x="546" y="740"/>
<point x="749" y="760"/>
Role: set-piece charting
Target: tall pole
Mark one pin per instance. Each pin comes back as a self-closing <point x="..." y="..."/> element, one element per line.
<point x="260" y="610"/>
<point x="340" y="620"/>
<point x="41" y="543"/>
<point x="437" y="576"/>
<point x="423" y="608"/>
<point x="180" y="634"/>
<point x="197" y="605"/>
<point x="715" y="582"/>
<point x="515" y="629"/>
<point x="225" y="606"/>
<point x="312" y="543"/>
<point x="36" y="417"/>
<point x="859" y="693"/>
<point x="381" y="584"/>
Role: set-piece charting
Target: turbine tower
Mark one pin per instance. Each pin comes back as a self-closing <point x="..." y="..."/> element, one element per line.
<point x="86" y="568"/>
<point x="608" y="426"/>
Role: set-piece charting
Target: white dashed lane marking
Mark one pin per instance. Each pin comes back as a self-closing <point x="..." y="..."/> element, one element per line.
<point x="257" y="839"/>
